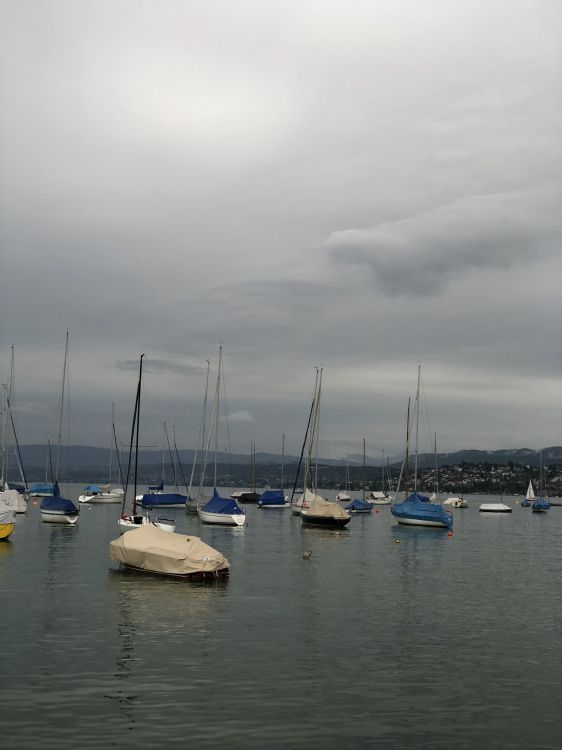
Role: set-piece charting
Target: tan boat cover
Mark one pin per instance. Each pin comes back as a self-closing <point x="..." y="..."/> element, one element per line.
<point x="325" y="509"/>
<point x="151" y="549"/>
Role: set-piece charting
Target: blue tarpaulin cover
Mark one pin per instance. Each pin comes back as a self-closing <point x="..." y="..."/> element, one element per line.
<point x="359" y="505"/>
<point x="152" y="500"/>
<point x="272" y="497"/>
<point x="156" y="487"/>
<point x="418" y="507"/>
<point x="92" y="489"/>
<point x="218" y="504"/>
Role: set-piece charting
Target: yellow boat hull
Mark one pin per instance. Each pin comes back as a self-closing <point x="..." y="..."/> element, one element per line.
<point x="6" y="529"/>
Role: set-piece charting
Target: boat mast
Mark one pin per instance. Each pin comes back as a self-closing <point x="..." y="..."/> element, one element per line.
<point x="61" y="408"/>
<point x="436" y="478"/>
<point x="111" y="445"/>
<point x="283" y="460"/>
<point x="417" y="430"/>
<point x="364" y="478"/>
<point x="201" y="436"/>
<point x="137" y="436"/>
<point x="304" y="444"/>
<point x="217" y="396"/>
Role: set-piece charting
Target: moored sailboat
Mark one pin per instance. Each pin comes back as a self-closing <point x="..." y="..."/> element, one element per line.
<point x="218" y="511"/>
<point x="417" y="509"/>
<point x="57" y="509"/>
<point x="134" y="520"/>
<point x="318" y="511"/>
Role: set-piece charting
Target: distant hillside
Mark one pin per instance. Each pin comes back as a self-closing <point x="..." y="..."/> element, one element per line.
<point x="96" y="460"/>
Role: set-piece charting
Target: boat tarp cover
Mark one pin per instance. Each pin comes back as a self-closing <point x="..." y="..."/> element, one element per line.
<point x="359" y="504"/>
<point x="42" y="487"/>
<point x="377" y="495"/>
<point x="218" y="504"/>
<point x="92" y="489"/>
<point x="156" y="487"/>
<point x="7" y="515"/>
<point x="58" y="504"/>
<point x="452" y="501"/>
<point x="272" y="497"/>
<point x="418" y="507"/>
<point x="16" y="486"/>
<point x="151" y="549"/>
<point x="325" y="509"/>
<point x="151" y="500"/>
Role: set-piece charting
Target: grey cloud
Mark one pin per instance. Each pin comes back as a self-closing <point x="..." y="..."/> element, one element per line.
<point x="421" y="254"/>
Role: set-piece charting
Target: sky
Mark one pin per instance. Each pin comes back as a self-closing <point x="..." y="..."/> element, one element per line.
<point x="359" y="185"/>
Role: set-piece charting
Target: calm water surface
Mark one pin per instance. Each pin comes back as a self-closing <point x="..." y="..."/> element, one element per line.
<point x="387" y="637"/>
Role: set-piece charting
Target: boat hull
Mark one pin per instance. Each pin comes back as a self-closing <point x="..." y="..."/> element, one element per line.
<point x="494" y="508"/>
<point x="221" y="519"/>
<point x="131" y="523"/>
<point x="326" y="523"/>
<point x="271" y="506"/>
<point x="198" y="576"/>
<point x="7" y="522"/>
<point x="101" y="499"/>
<point x="422" y="522"/>
<point x="53" y="516"/>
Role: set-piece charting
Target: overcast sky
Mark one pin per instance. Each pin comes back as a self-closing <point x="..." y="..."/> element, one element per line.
<point x="358" y="185"/>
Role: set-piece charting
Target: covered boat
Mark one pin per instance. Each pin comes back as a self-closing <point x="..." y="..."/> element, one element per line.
<point x="379" y="498"/>
<point x="273" y="499"/>
<point x="222" y="511"/>
<point x="14" y="498"/>
<point x="456" y="502"/>
<point x="322" y="512"/>
<point x="540" y="505"/>
<point x="101" y="493"/>
<point x="163" y="500"/>
<point x="41" y="489"/>
<point x="7" y="520"/>
<point x="417" y="510"/>
<point x="360" y="505"/>
<point x="529" y="496"/>
<point x="57" y="509"/>
<point x="152" y="550"/>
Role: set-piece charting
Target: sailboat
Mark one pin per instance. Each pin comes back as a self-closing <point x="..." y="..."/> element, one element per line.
<point x="57" y="509"/>
<point x="344" y="496"/>
<point x="276" y="499"/>
<point x="156" y="497"/>
<point x="361" y="504"/>
<point x="316" y="510"/>
<point x="134" y="520"/>
<point x="529" y="496"/>
<point x="417" y="509"/>
<point x="218" y="510"/>
<point x="192" y="502"/>
<point x="458" y="502"/>
<point x="252" y="496"/>
<point x="540" y="504"/>
<point x="12" y="494"/>
<point x="105" y="493"/>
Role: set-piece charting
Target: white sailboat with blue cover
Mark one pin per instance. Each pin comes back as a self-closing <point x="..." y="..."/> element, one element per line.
<point x="219" y="511"/>
<point x="57" y="509"/>
<point x="417" y="509"/>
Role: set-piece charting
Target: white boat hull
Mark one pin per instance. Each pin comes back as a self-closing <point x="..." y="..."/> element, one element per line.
<point x="221" y="519"/>
<point x="52" y="516"/>
<point x="495" y="508"/>
<point x="420" y="522"/>
<point x="274" y="507"/>
<point x="126" y="524"/>
<point x="102" y="499"/>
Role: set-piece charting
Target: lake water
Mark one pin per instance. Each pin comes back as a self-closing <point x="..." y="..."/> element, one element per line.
<point x="387" y="637"/>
